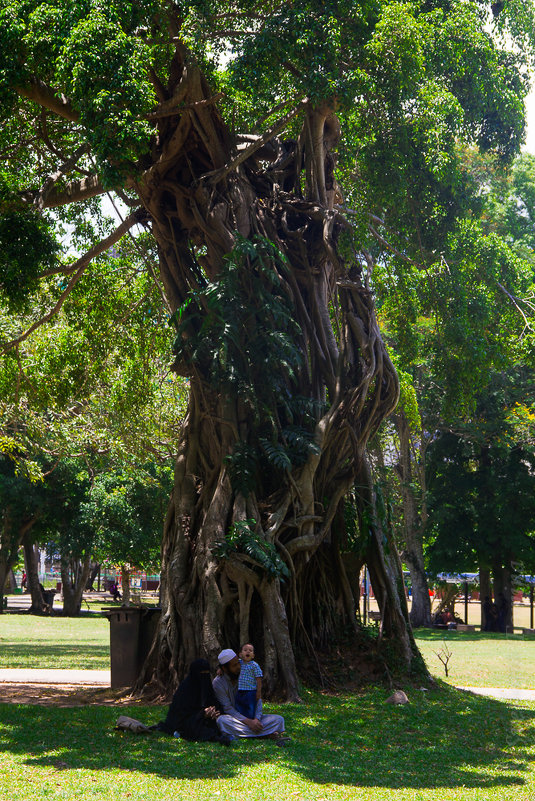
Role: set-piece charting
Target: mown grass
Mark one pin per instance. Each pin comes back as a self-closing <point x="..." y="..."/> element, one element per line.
<point x="480" y="659"/>
<point x="31" y="641"/>
<point x="443" y="745"/>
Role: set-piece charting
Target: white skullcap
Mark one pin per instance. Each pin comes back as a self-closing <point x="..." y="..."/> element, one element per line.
<point x="225" y="656"/>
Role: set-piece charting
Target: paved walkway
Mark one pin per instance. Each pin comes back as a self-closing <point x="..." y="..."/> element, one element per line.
<point x="37" y="676"/>
<point x="507" y="693"/>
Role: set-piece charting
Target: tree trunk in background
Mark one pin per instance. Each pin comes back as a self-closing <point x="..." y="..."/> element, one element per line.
<point x="485" y="591"/>
<point x="125" y="583"/>
<point x="10" y="542"/>
<point x="93" y="573"/>
<point x="11" y="582"/>
<point x="386" y="578"/>
<point x="413" y="524"/>
<point x="31" y="560"/>
<point x="447" y="602"/>
<point x="74" y="577"/>
<point x="503" y="596"/>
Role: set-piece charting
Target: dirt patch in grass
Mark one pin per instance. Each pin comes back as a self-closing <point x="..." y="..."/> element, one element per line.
<point x="65" y="695"/>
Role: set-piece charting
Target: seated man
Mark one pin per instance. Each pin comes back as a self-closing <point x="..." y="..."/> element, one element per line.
<point x="232" y="722"/>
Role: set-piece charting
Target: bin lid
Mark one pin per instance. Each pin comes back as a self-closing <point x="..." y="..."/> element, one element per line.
<point x="117" y="610"/>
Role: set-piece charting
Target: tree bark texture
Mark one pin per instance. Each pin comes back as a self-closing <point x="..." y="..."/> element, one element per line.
<point x="11" y="537"/>
<point x="503" y="594"/>
<point x="31" y="561"/>
<point x="485" y="591"/>
<point x="204" y="190"/>
<point x="386" y="577"/>
<point x="125" y="584"/>
<point x="413" y="524"/>
<point x="74" y="576"/>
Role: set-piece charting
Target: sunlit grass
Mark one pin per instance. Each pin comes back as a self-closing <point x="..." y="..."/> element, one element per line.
<point x="443" y="745"/>
<point x="31" y="641"/>
<point x="480" y="659"/>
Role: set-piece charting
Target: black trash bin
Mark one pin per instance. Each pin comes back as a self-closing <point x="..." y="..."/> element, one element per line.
<point x="131" y="631"/>
<point x="48" y="598"/>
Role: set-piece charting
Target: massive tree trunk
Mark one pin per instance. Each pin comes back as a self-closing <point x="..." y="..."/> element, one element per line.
<point x="258" y="559"/>
<point x="413" y="525"/>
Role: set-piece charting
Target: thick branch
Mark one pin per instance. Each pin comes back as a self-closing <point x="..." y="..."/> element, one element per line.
<point x="169" y="108"/>
<point x="40" y="93"/>
<point x="75" y="191"/>
<point x="66" y="167"/>
<point x="218" y="175"/>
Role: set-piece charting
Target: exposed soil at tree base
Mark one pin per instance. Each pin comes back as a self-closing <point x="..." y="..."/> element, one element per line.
<point x="66" y="695"/>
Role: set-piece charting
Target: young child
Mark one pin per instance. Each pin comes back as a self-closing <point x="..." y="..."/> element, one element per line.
<point x="249" y="682"/>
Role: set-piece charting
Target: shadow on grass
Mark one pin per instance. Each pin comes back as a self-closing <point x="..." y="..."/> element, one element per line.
<point x="77" y="656"/>
<point x="443" y="738"/>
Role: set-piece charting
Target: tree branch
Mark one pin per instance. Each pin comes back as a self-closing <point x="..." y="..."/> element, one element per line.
<point x="78" y="268"/>
<point x="49" y="98"/>
<point x="393" y="249"/>
<point x="170" y="107"/>
<point x="75" y="191"/>
<point x="66" y="167"/>
<point x="515" y="301"/>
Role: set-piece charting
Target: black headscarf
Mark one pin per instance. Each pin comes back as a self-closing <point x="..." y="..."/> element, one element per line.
<point x="194" y="694"/>
<point x="196" y="690"/>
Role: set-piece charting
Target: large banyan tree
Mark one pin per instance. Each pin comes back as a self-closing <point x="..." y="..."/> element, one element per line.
<point x="273" y="150"/>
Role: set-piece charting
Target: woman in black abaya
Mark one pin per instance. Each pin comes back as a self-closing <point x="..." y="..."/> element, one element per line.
<point x="194" y="709"/>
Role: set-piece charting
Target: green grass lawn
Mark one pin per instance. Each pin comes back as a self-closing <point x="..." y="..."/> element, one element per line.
<point x="480" y="659"/>
<point x="444" y="745"/>
<point x="31" y="641"/>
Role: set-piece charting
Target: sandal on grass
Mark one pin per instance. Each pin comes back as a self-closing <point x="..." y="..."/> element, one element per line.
<point x="283" y="740"/>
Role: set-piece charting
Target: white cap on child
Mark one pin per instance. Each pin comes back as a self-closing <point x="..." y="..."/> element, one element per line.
<point x="225" y="656"/>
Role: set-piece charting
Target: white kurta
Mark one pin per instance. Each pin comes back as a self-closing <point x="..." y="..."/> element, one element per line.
<point x="231" y="721"/>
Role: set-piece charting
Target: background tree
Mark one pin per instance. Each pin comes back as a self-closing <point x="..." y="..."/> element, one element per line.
<point x="451" y="321"/>
<point x="131" y="97"/>
<point x="20" y="499"/>
<point x="92" y="383"/>
<point x="124" y="511"/>
<point x="482" y="483"/>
